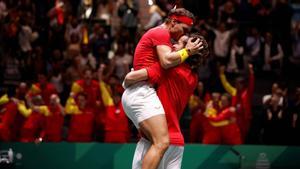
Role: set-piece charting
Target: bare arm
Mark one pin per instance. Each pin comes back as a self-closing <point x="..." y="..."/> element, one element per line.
<point x="135" y="76"/>
<point x="169" y="58"/>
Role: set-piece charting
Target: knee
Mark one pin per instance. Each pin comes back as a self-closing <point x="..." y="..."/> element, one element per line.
<point x="162" y="144"/>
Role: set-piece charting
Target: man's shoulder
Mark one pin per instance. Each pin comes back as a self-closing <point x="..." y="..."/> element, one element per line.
<point x="157" y="29"/>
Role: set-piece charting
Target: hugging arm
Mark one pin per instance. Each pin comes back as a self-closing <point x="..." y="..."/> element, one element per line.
<point x="152" y="74"/>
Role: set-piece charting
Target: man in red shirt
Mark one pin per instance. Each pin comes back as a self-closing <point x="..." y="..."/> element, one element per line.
<point x="8" y="113"/>
<point x="171" y="84"/>
<point x="116" y="124"/>
<point x="222" y="127"/>
<point x="53" y="124"/>
<point x="140" y="101"/>
<point x="42" y="88"/>
<point x="82" y="120"/>
<point x="90" y="86"/>
<point x="87" y="85"/>
<point x="242" y="94"/>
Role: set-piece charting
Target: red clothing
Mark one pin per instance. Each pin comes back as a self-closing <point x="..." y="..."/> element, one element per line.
<point x="116" y="137"/>
<point x="92" y="90"/>
<point x="8" y="114"/>
<point x="175" y="86"/>
<point x="115" y="118"/>
<point x="81" y="126"/>
<point x="52" y="130"/>
<point x="115" y="121"/>
<point x="116" y="125"/>
<point x="242" y="101"/>
<point x="32" y="127"/>
<point x="197" y="124"/>
<point x="93" y="95"/>
<point x="145" y="52"/>
<point x="227" y="133"/>
<point x="197" y="127"/>
<point x="59" y="14"/>
<point x="45" y="91"/>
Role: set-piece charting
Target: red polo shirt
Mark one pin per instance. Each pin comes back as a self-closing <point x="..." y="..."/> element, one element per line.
<point x="145" y="53"/>
<point x="175" y="86"/>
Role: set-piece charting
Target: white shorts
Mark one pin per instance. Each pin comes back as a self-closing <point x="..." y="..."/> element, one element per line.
<point x="171" y="160"/>
<point x="140" y="102"/>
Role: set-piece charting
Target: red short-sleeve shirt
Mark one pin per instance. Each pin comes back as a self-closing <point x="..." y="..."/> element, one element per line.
<point x="145" y="53"/>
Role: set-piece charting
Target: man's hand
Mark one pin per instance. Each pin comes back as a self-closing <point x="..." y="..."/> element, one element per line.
<point x="194" y="46"/>
<point x="128" y="80"/>
<point x="134" y="77"/>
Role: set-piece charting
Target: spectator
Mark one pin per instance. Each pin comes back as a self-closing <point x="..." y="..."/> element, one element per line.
<point x="100" y="43"/>
<point x="128" y="12"/>
<point x="273" y="54"/>
<point x="86" y="58"/>
<point x="73" y="73"/>
<point x="121" y="61"/>
<point x="55" y="69"/>
<point x="73" y="28"/>
<point x="9" y="111"/>
<point x="105" y="11"/>
<point x="82" y="120"/>
<point x="197" y="104"/>
<point x="26" y="36"/>
<point x="236" y="58"/>
<point x="253" y="49"/>
<point x="36" y="63"/>
<point x="87" y="85"/>
<point x="156" y="17"/>
<point x="211" y="107"/>
<point x="274" y="122"/>
<point x="52" y="128"/>
<point x="73" y="48"/>
<point x="222" y="124"/>
<point x="42" y="88"/>
<point x="267" y="98"/>
<point x="56" y="14"/>
<point x="221" y="42"/>
<point x="241" y="99"/>
<point x="116" y="124"/>
<point x="228" y="14"/>
<point x="11" y="71"/>
<point x="32" y="127"/>
<point x="85" y="9"/>
<point x="93" y="100"/>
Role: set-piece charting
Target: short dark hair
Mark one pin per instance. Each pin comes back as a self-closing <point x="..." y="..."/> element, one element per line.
<point x="180" y="12"/>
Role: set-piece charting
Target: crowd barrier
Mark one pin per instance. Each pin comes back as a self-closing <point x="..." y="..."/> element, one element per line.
<point x="118" y="156"/>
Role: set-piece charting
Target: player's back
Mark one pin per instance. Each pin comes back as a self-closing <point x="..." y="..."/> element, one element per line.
<point x="174" y="91"/>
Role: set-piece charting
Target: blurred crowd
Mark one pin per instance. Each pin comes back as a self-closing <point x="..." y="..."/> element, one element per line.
<point x="63" y="62"/>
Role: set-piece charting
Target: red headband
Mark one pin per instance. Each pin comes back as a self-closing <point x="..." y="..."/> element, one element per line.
<point x="182" y="19"/>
